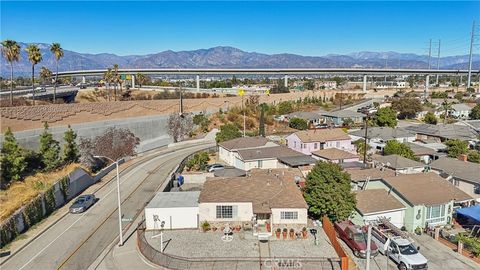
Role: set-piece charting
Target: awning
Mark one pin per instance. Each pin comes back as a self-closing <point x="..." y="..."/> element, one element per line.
<point x="472" y="212"/>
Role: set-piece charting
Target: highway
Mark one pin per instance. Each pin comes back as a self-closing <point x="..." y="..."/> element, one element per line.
<point x="75" y="241"/>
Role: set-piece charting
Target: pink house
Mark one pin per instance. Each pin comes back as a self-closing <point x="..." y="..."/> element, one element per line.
<point x="308" y="141"/>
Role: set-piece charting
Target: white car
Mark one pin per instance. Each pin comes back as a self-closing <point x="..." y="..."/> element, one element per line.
<point x="215" y="167"/>
<point x="40" y="89"/>
<point x="403" y="253"/>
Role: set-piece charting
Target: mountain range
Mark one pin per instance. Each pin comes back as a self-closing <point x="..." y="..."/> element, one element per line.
<point x="229" y="57"/>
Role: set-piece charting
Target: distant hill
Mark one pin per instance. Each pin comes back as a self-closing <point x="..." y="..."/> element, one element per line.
<point x="229" y="57"/>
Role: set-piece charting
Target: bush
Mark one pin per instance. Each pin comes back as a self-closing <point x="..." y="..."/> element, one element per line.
<point x="13" y="163"/>
<point x="198" y="162"/>
<point x="298" y="123"/>
<point x="228" y="132"/>
<point x="285" y="107"/>
<point x="430" y="118"/>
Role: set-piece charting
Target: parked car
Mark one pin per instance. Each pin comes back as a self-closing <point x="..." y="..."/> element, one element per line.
<point x="215" y="167"/>
<point x="356" y="238"/>
<point x="40" y="89"/>
<point x="82" y="203"/>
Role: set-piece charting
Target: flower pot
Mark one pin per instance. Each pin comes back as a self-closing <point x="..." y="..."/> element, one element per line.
<point x="268" y="227"/>
<point x="304" y="234"/>
<point x="284" y="235"/>
<point x="292" y="235"/>
<point x="277" y="233"/>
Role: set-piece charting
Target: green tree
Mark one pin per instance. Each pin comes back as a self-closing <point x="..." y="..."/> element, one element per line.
<point x="202" y="121"/>
<point x="198" y="162"/>
<point x="261" y="125"/>
<point x="456" y="147"/>
<point x="470" y="90"/>
<point x="385" y="117"/>
<point x="446" y="107"/>
<point x="57" y="51"/>
<point x="475" y="112"/>
<point x="393" y="147"/>
<point x="11" y="53"/>
<point x="430" y="118"/>
<point x="228" y="132"/>
<point x="285" y="107"/>
<point x="348" y="122"/>
<point x="360" y="146"/>
<point x="474" y="156"/>
<point x="327" y="192"/>
<point x="298" y="123"/>
<point x="49" y="149"/>
<point x="45" y="74"/>
<point x="70" y="149"/>
<point x="12" y="159"/>
<point x="35" y="57"/>
<point x="407" y="107"/>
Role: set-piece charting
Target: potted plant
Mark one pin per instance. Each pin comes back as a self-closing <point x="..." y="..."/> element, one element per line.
<point x="304" y="233"/>
<point x="214" y="229"/>
<point x="292" y="233"/>
<point x="238" y="228"/>
<point x="267" y="224"/>
<point x="418" y="231"/>
<point x="284" y="233"/>
<point x="277" y="233"/>
<point x="205" y="226"/>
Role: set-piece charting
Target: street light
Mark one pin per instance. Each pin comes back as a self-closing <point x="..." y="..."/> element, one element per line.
<point x="118" y="198"/>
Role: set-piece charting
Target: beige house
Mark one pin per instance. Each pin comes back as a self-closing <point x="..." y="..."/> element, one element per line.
<point x="335" y="155"/>
<point x="263" y="157"/>
<point x="373" y="204"/>
<point x="398" y="164"/>
<point x="228" y="150"/>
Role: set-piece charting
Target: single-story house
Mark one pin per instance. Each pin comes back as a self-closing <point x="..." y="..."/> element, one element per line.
<point x="338" y="117"/>
<point x="460" y="110"/>
<point x="462" y="174"/>
<point x="335" y="155"/>
<point x="373" y="204"/>
<point x="428" y="198"/>
<point x="360" y="177"/>
<point x="253" y="200"/>
<point x="441" y="133"/>
<point x="377" y="137"/>
<point x="308" y="141"/>
<point x="296" y="161"/>
<point x="312" y="118"/>
<point x="263" y="157"/>
<point x="228" y="150"/>
<point x="399" y="164"/>
<point x="176" y="210"/>
<point x="425" y="154"/>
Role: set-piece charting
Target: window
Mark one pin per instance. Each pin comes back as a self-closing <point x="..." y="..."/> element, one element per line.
<point x="435" y="214"/>
<point x="338" y="144"/>
<point x="315" y="146"/>
<point x="259" y="163"/>
<point x="288" y="215"/>
<point x="226" y="211"/>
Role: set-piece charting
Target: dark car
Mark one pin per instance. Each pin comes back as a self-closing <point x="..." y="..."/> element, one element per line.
<point x="82" y="203"/>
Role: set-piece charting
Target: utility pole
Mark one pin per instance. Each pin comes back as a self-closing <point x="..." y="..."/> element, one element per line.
<point x="365" y="142"/>
<point x="427" y="78"/>
<point x="470" y="57"/>
<point x="438" y="61"/>
<point x="369" y="240"/>
<point x="429" y="54"/>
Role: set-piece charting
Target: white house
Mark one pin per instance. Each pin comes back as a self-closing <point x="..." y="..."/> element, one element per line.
<point x="228" y="150"/>
<point x="460" y="110"/>
<point x="263" y="157"/>
<point x="398" y="164"/>
<point x="308" y="141"/>
<point x="378" y="203"/>
<point x="377" y="137"/>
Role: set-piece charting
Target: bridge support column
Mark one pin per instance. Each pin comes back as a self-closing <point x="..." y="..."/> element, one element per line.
<point x="286" y="81"/>
<point x="364" y="83"/>
<point x="198" y="83"/>
<point x="84" y="80"/>
<point x="427" y="83"/>
<point x="133" y="81"/>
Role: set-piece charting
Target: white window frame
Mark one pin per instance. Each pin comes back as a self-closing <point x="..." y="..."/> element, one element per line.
<point x="433" y="219"/>
<point x="226" y="211"/>
<point x="289" y="215"/>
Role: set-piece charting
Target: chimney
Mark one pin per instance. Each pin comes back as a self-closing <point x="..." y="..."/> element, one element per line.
<point x="462" y="157"/>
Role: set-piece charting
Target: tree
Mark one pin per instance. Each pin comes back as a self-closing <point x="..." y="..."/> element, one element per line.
<point x="385" y="117"/>
<point x="179" y="126"/>
<point x="459" y="96"/>
<point x="475" y="112"/>
<point x="360" y="145"/>
<point x="202" y="121"/>
<point x="474" y="156"/>
<point x="228" y="132"/>
<point x="70" y="149"/>
<point x="348" y="122"/>
<point x="261" y="125"/>
<point x="198" y="162"/>
<point x="407" y="107"/>
<point x="456" y="148"/>
<point x="298" y="123"/>
<point x="430" y="118"/>
<point x="142" y="79"/>
<point x="57" y="51"/>
<point x="470" y="90"/>
<point x="285" y="107"/>
<point x="45" y="74"/>
<point x="393" y="147"/>
<point x="327" y="192"/>
<point x="11" y="53"/>
<point x="13" y="162"/>
<point x="446" y="107"/>
<point x="35" y="57"/>
<point x="49" y="149"/>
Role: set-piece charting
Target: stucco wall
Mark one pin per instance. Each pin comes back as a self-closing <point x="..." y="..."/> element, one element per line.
<point x="302" y="216"/>
<point x="208" y="212"/>
<point x="396" y="217"/>
<point x="294" y="142"/>
<point x="174" y="217"/>
<point x="266" y="164"/>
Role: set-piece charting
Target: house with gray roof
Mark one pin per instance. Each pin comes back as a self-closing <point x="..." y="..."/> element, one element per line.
<point x="460" y="110"/>
<point x="377" y="137"/>
<point x="264" y="157"/>
<point x="399" y="164"/>
<point x="228" y="150"/>
<point x="312" y="118"/>
<point x="337" y="117"/>
<point x="441" y="133"/>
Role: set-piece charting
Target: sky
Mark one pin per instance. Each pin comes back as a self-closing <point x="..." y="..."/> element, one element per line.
<point x="306" y="28"/>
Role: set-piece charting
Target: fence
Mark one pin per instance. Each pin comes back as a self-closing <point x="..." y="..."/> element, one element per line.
<point x="332" y="236"/>
<point x="240" y="263"/>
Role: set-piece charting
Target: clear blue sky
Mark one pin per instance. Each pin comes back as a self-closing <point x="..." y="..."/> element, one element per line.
<point x="307" y="28"/>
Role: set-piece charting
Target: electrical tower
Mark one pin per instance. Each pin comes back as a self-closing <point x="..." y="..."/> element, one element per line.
<point x="472" y="36"/>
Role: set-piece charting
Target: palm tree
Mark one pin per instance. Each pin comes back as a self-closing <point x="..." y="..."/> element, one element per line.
<point x="57" y="50"/>
<point x="45" y="74"/>
<point x="35" y="57"/>
<point x="108" y="79"/>
<point x="11" y="52"/>
<point x="446" y="107"/>
<point x="116" y="80"/>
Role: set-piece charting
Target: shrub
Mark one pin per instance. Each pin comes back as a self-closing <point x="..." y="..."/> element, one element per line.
<point x="298" y="123"/>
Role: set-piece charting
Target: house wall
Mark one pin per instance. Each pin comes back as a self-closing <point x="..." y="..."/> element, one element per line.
<point x="174" y="217"/>
<point x="294" y="142"/>
<point x="208" y="212"/>
<point x="226" y="156"/>
<point x="266" y="164"/>
<point x="410" y="170"/>
<point x="301" y="221"/>
<point x="336" y="160"/>
<point x="396" y="217"/>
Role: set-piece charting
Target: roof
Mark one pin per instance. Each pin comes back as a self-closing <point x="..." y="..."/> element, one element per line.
<point x="229" y="172"/>
<point x="472" y="212"/>
<point x="420" y="150"/>
<point x="426" y="188"/>
<point x="174" y="199"/>
<point x="322" y="135"/>
<point x="448" y="131"/>
<point x="295" y="161"/>
<point x="265" y="192"/>
<point x="344" y="114"/>
<point x="474" y="124"/>
<point x="267" y="153"/>
<point x="305" y="115"/>
<point x="334" y="154"/>
<point x="362" y="175"/>
<point x="465" y="170"/>
<point x="244" y="142"/>
<point x="370" y="201"/>
<point x="397" y="162"/>
<point x="384" y="133"/>
<point x="461" y="107"/>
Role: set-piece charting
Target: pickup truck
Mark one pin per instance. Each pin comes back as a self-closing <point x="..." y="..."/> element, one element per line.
<point x="356" y="238"/>
<point x="401" y="250"/>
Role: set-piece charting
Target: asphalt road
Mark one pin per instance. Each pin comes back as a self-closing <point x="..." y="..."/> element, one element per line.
<point x="77" y="240"/>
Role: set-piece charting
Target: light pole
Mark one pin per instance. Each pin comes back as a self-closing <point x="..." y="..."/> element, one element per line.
<point x="118" y="199"/>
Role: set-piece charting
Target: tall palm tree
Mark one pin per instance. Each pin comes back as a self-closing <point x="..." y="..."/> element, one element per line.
<point x="11" y="52"/>
<point x="57" y="50"/>
<point x="108" y="79"/>
<point x="116" y="80"/>
<point x="446" y="107"/>
<point x="45" y="74"/>
<point x="35" y="57"/>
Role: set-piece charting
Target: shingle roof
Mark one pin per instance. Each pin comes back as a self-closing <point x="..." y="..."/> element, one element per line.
<point x="420" y="150"/>
<point x="322" y="135"/>
<point x="305" y="115"/>
<point x="244" y="142"/>
<point x="370" y="201"/>
<point x="397" y="162"/>
<point x="449" y="131"/>
<point x="344" y="114"/>
<point x="264" y="192"/>
<point x="468" y="171"/>
<point x="267" y="153"/>
<point x="461" y="107"/>
<point x="334" y="154"/>
<point x="362" y="175"/>
<point x="385" y="133"/>
<point x="295" y="161"/>
<point x="426" y="188"/>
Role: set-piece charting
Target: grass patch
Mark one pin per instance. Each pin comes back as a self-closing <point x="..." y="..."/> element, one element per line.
<point x="22" y="192"/>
